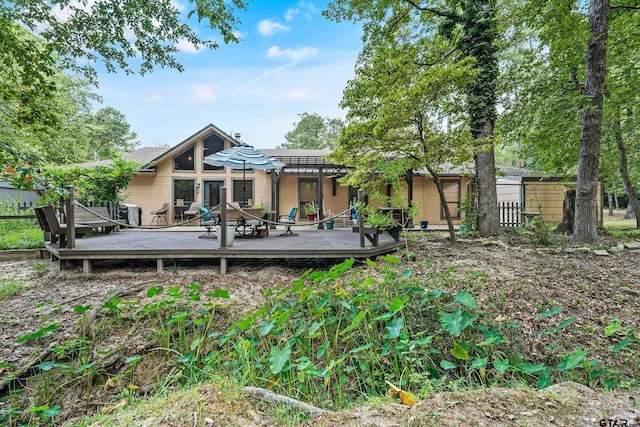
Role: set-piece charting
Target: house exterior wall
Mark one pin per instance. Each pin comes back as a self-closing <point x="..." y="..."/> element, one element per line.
<point x="547" y="197"/>
<point x="149" y="191"/>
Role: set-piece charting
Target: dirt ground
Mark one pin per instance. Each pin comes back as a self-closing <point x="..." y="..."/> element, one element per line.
<point x="594" y="289"/>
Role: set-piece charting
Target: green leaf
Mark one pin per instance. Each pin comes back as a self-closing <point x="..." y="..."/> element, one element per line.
<point x="544" y="380"/>
<point x="501" y="365"/>
<point x="133" y="359"/>
<point x="446" y="365"/>
<point x="622" y="344"/>
<point x="314" y="327"/>
<point x="393" y="328"/>
<point x="153" y="291"/>
<point x="52" y="412"/>
<point x="465" y="299"/>
<point x="47" y="366"/>
<point x="279" y="357"/>
<point x="397" y="304"/>
<point x="459" y="352"/>
<point x="265" y="328"/>
<point x="549" y="312"/>
<point x="480" y="362"/>
<point x="357" y="319"/>
<point x="570" y="361"/>
<point x="187" y="358"/>
<point x="196" y="343"/>
<point x="361" y="348"/>
<point x="456" y="322"/>
<point x="432" y="295"/>
<point x="81" y="309"/>
<point x="219" y="293"/>
<point x="566" y="322"/>
<point x="322" y="349"/>
<point x="612" y="328"/>
<point x="529" y="368"/>
<point x="407" y="273"/>
<point x="38" y="333"/>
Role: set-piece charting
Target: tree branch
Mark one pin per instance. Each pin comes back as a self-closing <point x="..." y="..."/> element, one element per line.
<point x="441" y="13"/>
<point x="622" y="7"/>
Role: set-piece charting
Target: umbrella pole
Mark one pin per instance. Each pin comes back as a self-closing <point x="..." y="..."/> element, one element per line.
<point x="244" y="183"/>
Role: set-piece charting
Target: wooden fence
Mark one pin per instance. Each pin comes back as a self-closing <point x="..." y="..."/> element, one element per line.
<point x="510" y="214"/>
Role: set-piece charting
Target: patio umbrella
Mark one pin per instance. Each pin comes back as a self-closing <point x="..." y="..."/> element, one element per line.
<point x="243" y="157"/>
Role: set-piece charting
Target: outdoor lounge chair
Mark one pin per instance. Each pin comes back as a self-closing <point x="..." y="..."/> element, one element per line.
<point x="206" y="220"/>
<point x="160" y="214"/>
<point x="289" y="220"/>
<point x="49" y="224"/>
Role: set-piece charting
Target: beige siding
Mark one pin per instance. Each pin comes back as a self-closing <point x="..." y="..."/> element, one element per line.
<point x="547" y="198"/>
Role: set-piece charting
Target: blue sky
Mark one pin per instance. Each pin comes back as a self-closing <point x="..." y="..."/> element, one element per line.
<point x="291" y="60"/>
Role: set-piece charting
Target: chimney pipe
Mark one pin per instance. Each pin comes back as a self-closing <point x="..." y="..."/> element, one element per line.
<point x="237" y="136"/>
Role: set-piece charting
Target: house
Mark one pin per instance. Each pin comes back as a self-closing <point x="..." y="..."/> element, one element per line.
<point x="179" y="176"/>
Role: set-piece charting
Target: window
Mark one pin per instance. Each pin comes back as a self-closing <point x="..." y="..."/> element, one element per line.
<point x="452" y="196"/>
<point x="184" y="161"/>
<point x="242" y="191"/>
<point x="184" y="189"/>
<point x="212" y="144"/>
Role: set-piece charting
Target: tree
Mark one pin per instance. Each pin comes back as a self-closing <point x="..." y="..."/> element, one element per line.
<point x="472" y="28"/>
<point x="585" y="226"/>
<point x="132" y="36"/>
<point x="109" y="134"/>
<point x="314" y="132"/>
<point x="396" y="109"/>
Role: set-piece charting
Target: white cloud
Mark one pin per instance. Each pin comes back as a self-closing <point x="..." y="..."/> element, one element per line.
<point x="203" y="93"/>
<point x="240" y="35"/>
<point x="291" y="13"/>
<point x="274" y="52"/>
<point x="267" y="27"/>
<point x="186" y="46"/>
<point x="179" y="6"/>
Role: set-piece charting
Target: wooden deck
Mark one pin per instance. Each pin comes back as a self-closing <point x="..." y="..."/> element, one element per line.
<point x="172" y="245"/>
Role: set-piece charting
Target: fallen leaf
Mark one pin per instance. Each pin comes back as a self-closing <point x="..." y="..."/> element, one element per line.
<point x="208" y="420"/>
<point x="111" y="383"/>
<point x="406" y="398"/>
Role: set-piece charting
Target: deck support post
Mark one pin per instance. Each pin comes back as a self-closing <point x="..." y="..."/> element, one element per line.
<point x="70" y="219"/>
<point x="159" y="265"/>
<point x="361" y="216"/>
<point x="86" y="266"/>
<point x="222" y="239"/>
<point x="223" y="266"/>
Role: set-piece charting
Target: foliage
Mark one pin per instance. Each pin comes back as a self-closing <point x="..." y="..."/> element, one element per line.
<point x="135" y="37"/>
<point x="427" y="53"/>
<point x="18" y="233"/>
<point x="310" y="208"/>
<point x="329" y="338"/>
<point x="313" y="132"/>
<point x="94" y="186"/>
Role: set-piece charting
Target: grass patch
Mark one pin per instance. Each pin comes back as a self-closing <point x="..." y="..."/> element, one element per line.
<point x="9" y="288"/>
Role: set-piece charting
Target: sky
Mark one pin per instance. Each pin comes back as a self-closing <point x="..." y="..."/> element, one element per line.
<point x="291" y="60"/>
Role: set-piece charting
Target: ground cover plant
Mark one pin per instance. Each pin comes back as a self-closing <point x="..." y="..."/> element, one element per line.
<point x="497" y="313"/>
<point x="19" y="233"/>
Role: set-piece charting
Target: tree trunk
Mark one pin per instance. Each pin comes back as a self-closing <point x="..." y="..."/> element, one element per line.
<point x="586" y="220"/>
<point x="568" y="212"/>
<point x="610" y="203"/>
<point x="488" y="215"/>
<point x="628" y="213"/>
<point x="624" y="171"/>
<point x="443" y="199"/>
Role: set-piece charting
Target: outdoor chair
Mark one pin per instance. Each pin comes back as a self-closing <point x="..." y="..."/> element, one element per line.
<point x="49" y="224"/>
<point x="206" y="220"/>
<point x="160" y="214"/>
<point x="193" y="211"/>
<point x="289" y="220"/>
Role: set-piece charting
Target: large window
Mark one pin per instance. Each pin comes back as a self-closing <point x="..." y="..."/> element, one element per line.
<point x="212" y="144"/>
<point x="184" y="189"/>
<point x="452" y="196"/>
<point x="242" y="191"/>
<point x="184" y="161"/>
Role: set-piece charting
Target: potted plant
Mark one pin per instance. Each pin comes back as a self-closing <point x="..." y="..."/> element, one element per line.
<point x="328" y="219"/>
<point x="311" y="210"/>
